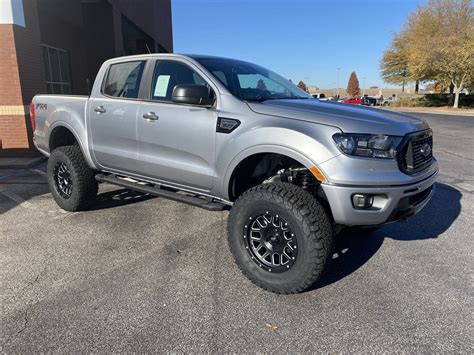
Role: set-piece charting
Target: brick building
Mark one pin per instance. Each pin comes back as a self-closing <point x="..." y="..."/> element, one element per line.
<point x="57" y="46"/>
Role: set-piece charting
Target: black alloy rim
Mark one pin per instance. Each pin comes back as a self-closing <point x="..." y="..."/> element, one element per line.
<point x="270" y="241"/>
<point x="63" y="180"/>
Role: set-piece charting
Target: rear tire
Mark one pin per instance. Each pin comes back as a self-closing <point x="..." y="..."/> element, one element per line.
<point x="283" y="220"/>
<point x="71" y="181"/>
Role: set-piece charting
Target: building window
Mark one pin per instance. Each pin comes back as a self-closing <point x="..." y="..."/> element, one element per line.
<point x="57" y="69"/>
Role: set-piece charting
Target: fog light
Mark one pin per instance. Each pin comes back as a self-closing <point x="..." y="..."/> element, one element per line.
<point x="362" y="201"/>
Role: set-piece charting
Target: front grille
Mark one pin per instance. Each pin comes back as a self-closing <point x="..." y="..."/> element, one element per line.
<point x="416" y="153"/>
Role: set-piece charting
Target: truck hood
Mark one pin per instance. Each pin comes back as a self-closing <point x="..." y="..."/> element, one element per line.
<point x="348" y="118"/>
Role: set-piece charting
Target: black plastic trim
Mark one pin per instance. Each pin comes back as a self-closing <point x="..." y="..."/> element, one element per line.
<point x="221" y="128"/>
<point x="402" y="150"/>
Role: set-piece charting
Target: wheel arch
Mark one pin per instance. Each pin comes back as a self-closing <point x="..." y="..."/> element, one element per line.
<point x="62" y="134"/>
<point x="254" y="153"/>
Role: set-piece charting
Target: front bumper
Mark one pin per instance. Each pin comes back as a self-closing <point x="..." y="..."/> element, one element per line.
<point x="391" y="203"/>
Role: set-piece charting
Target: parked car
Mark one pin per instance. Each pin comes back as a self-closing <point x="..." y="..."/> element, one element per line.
<point x="388" y="100"/>
<point x="321" y="97"/>
<point x="206" y="131"/>
<point x="353" y="101"/>
<point x="369" y="101"/>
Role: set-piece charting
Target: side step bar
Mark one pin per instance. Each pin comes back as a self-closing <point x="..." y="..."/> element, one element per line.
<point x="156" y="190"/>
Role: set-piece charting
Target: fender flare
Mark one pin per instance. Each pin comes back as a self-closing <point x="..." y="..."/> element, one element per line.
<point x="64" y="124"/>
<point x="258" y="149"/>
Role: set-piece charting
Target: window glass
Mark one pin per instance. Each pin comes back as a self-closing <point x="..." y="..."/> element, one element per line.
<point x="64" y="66"/>
<point x="168" y="74"/>
<point x="221" y="76"/>
<point x="57" y="89"/>
<point x="54" y="60"/>
<point x="258" y="81"/>
<point x="46" y="63"/>
<point x="57" y="70"/>
<point x="123" y="79"/>
<point x="66" y="89"/>
<point x="249" y="81"/>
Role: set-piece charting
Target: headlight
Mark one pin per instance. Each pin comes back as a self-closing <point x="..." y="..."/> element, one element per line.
<point x="367" y="145"/>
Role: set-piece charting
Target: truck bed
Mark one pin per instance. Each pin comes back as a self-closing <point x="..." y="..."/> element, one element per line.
<point x="49" y="109"/>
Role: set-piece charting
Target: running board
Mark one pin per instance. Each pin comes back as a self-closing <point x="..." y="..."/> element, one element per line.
<point x="156" y="190"/>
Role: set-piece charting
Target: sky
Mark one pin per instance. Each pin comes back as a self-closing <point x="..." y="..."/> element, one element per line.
<point x="299" y="39"/>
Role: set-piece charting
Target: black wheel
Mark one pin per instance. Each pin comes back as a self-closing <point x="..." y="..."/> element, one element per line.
<point x="70" y="179"/>
<point x="280" y="236"/>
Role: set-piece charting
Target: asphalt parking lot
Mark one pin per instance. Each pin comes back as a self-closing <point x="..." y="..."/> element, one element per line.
<point x="147" y="274"/>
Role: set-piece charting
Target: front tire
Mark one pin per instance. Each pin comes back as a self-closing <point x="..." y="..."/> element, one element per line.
<point x="280" y="236"/>
<point x="71" y="181"/>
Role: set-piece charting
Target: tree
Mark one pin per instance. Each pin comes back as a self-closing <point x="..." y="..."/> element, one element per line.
<point x="394" y="63"/>
<point x="353" y="88"/>
<point x="302" y="86"/>
<point x="440" y="43"/>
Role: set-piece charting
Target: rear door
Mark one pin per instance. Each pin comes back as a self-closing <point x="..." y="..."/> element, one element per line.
<point x="113" y="116"/>
<point x="177" y="143"/>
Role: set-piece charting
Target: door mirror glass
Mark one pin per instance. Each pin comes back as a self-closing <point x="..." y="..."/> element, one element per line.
<point x="193" y="94"/>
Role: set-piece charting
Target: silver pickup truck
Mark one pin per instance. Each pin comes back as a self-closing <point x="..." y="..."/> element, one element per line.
<point x="227" y="134"/>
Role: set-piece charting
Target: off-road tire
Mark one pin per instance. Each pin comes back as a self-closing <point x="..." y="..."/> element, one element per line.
<point x="84" y="186"/>
<point x="312" y="229"/>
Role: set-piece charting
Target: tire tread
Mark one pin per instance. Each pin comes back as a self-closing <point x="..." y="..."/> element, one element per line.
<point x="316" y="225"/>
<point x="85" y="182"/>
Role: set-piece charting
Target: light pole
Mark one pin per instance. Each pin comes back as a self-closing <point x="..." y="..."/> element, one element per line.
<point x="337" y="83"/>
<point x="363" y="87"/>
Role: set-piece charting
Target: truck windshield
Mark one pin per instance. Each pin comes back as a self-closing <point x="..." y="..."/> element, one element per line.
<point x="251" y="82"/>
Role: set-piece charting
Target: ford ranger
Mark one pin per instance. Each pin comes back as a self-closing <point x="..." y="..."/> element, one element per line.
<point x="227" y="134"/>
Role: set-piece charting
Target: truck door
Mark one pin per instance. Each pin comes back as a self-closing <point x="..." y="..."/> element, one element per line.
<point x="113" y="116"/>
<point x="175" y="141"/>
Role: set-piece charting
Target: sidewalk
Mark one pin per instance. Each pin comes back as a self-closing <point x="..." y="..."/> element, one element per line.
<point x="433" y="110"/>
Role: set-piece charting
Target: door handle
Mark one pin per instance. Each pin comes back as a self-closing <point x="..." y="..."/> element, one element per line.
<point x="150" y="116"/>
<point x="100" y="109"/>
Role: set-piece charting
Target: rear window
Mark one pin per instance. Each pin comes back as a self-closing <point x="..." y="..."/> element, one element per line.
<point x="123" y="79"/>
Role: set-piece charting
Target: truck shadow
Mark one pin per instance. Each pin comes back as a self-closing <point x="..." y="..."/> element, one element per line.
<point x="353" y="248"/>
<point x="120" y="197"/>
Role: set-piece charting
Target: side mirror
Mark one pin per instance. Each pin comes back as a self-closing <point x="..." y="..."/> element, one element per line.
<point x="193" y="94"/>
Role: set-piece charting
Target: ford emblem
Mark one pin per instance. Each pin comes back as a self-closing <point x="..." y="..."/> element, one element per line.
<point x="425" y="150"/>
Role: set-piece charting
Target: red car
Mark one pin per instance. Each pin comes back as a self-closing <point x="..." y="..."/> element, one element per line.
<point x="353" y="101"/>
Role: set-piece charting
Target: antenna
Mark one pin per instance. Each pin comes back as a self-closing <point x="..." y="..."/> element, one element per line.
<point x="147" y="48"/>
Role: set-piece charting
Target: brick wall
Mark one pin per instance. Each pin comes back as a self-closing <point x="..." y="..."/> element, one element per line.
<point x="13" y="128"/>
<point x="21" y="77"/>
<point x="13" y="133"/>
<point x="10" y="89"/>
<point x="29" y="53"/>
